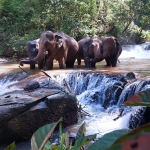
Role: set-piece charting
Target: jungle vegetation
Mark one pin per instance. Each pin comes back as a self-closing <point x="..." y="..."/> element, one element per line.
<point x="24" y="20"/>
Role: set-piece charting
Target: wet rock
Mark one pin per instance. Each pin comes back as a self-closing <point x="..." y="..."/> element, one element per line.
<point x="111" y="99"/>
<point x="147" y="47"/>
<point x="23" y="112"/>
<point x="32" y="86"/>
<point x="146" y="117"/>
<point x="130" y="76"/>
<point x="136" y="117"/>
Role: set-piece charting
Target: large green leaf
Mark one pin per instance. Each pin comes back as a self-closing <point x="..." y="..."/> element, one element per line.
<point x="107" y="140"/>
<point x="40" y="137"/>
<point x="81" y="132"/>
<point x="131" y="135"/>
<point x="83" y="141"/>
<point x="139" y="99"/>
<point x="113" y="140"/>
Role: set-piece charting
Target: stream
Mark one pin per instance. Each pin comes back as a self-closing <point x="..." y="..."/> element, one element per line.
<point x="94" y="87"/>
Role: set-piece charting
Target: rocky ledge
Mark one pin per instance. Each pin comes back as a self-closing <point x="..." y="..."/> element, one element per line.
<point x="29" y="106"/>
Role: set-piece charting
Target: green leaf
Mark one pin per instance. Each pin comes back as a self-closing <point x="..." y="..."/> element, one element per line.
<point x="11" y="146"/>
<point x="40" y="137"/>
<point x="139" y="99"/>
<point x="131" y="135"/>
<point x="107" y="140"/>
<point x="81" y="132"/>
<point x="138" y="104"/>
<point x="60" y="131"/>
<point x="83" y="141"/>
<point x="62" y="143"/>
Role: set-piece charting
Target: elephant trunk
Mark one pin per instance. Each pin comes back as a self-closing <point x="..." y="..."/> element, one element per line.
<point x="96" y="59"/>
<point x="41" y="54"/>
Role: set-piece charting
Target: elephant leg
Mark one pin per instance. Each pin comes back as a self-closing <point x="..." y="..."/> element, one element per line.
<point x="79" y="60"/>
<point x="114" y="60"/>
<point x="32" y="66"/>
<point x="41" y="64"/>
<point x="88" y="64"/>
<point x="61" y="63"/>
<point x="49" y="63"/>
<point x="92" y="65"/>
<point x="70" y="64"/>
<point x="108" y="61"/>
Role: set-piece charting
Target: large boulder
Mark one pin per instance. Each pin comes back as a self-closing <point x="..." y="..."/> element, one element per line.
<point x="23" y="111"/>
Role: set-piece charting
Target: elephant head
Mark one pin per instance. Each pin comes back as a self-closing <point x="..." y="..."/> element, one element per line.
<point x="92" y="49"/>
<point x="108" y="46"/>
<point x="111" y="50"/>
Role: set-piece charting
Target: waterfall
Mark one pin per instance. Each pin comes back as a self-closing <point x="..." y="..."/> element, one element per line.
<point x="140" y="51"/>
<point x="102" y="95"/>
<point x="98" y="88"/>
<point x="9" y="78"/>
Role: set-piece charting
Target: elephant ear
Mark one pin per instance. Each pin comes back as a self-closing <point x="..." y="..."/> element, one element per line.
<point x="101" y="47"/>
<point x="86" y="44"/>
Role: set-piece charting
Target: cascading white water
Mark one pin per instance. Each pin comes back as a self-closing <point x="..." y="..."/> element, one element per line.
<point x="101" y="96"/>
<point x="8" y="79"/>
<point x="140" y="51"/>
<point x="95" y="90"/>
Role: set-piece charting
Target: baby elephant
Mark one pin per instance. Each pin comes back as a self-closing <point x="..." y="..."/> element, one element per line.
<point x="90" y="51"/>
<point x="32" y="49"/>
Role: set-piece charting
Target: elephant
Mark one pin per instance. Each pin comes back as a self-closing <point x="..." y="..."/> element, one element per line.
<point x="32" y="51"/>
<point x="89" y="49"/>
<point x="59" y="46"/>
<point x="111" y="49"/>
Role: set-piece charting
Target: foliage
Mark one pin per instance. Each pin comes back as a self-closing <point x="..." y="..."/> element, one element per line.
<point x="142" y="13"/>
<point x="139" y="99"/>
<point x="108" y="139"/>
<point x="23" y="20"/>
<point x="11" y="146"/>
<point x="119" y="137"/>
<point x="40" y="139"/>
